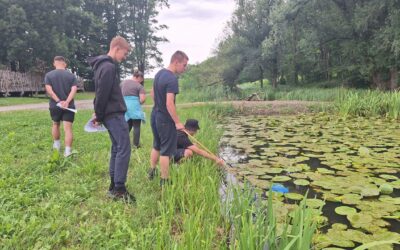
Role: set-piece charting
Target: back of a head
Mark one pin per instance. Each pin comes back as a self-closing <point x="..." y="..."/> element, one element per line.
<point x="179" y="56"/>
<point x="119" y="42"/>
<point x="137" y="73"/>
<point x="59" y="59"/>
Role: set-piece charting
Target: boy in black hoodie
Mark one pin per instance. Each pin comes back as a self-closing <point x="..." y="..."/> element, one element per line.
<point x="109" y="107"/>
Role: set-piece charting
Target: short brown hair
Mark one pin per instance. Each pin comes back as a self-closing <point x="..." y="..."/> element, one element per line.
<point x="179" y="56"/>
<point x="137" y="73"/>
<point x="120" y="42"/>
<point x="59" y="58"/>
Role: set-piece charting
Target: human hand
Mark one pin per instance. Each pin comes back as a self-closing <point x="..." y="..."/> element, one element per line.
<point x="179" y="126"/>
<point x="64" y="104"/>
<point x="220" y="162"/>
<point x="94" y="120"/>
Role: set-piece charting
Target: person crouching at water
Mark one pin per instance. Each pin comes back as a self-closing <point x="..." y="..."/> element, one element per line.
<point x="134" y="96"/>
<point x="186" y="148"/>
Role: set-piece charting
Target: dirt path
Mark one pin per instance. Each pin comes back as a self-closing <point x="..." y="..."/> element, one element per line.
<point x="254" y="107"/>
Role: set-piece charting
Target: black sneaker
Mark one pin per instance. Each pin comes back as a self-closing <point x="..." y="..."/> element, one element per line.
<point x="124" y="196"/>
<point x="151" y="173"/>
<point x="164" y="182"/>
<point x="111" y="188"/>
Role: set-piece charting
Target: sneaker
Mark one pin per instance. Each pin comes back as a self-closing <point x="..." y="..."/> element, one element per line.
<point x="111" y="190"/>
<point x="164" y="182"/>
<point x="151" y="173"/>
<point x="70" y="153"/>
<point x="57" y="145"/>
<point x="124" y="196"/>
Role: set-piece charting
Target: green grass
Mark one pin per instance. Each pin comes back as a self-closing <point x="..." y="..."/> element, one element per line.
<point x="42" y="98"/>
<point x="369" y="103"/>
<point x="49" y="202"/>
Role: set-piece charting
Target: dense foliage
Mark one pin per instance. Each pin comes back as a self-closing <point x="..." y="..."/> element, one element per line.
<point x="32" y="32"/>
<point x="352" y="43"/>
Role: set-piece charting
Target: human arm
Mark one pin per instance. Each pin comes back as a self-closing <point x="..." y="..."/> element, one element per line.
<point x="203" y="153"/>
<point x="152" y="93"/>
<point x="71" y="96"/>
<point x="51" y="93"/>
<point x="142" y="98"/>
<point x="172" y="111"/>
<point x="142" y="95"/>
<point x="103" y="89"/>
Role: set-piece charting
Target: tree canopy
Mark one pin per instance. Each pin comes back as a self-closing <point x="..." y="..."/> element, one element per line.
<point x="331" y="42"/>
<point x="32" y="32"/>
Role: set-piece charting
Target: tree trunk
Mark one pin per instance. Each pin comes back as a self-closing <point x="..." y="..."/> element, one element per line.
<point x="274" y="82"/>
<point x="295" y="64"/>
<point x="377" y="81"/>
<point x="394" y="78"/>
<point x="261" y="76"/>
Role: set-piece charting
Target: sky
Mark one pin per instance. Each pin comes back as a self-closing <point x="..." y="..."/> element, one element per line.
<point x="194" y="27"/>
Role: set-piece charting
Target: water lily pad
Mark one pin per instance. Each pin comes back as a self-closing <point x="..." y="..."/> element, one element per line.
<point x="294" y="169"/>
<point x="273" y="170"/>
<point x="351" y="199"/>
<point x="363" y="151"/>
<point x="339" y="226"/>
<point x="298" y="175"/>
<point x="345" y="210"/>
<point x="378" y="181"/>
<point x="389" y="177"/>
<point x="331" y="197"/>
<point x="294" y="196"/>
<point x="369" y="192"/>
<point x="395" y="184"/>
<point x="391" y="200"/>
<point x="315" y="203"/>
<point x="281" y="178"/>
<point x="358" y="220"/>
<point x="325" y="171"/>
<point x="301" y="182"/>
<point x="332" y="248"/>
<point x="386" y="188"/>
<point x="266" y="177"/>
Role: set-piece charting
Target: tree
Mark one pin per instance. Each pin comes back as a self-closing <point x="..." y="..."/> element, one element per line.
<point x="142" y="32"/>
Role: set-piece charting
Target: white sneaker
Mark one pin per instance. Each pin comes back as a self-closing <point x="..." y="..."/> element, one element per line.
<point x="67" y="152"/>
<point x="57" y="145"/>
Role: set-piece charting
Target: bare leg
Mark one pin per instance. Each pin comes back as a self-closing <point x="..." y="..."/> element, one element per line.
<point x="55" y="131"/>
<point x="68" y="134"/>
<point x="164" y="166"/>
<point x="154" y="158"/>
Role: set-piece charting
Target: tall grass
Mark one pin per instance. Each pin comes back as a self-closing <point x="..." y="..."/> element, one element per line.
<point x="254" y="224"/>
<point x="49" y="202"/>
<point x="369" y="103"/>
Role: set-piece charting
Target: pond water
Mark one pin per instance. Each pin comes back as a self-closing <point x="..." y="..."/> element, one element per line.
<point x="351" y="167"/>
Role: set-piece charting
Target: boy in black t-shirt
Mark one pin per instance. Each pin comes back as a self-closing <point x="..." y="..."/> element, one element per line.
<point x="61" y="86"/>
<point x="164" y="118"/>
<point x="185" y="148"/>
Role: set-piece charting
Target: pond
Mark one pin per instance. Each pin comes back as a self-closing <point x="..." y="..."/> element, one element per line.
<point x="350" y="167"/>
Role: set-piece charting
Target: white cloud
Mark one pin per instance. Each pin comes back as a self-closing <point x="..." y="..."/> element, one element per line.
<point x="194" y="26"/>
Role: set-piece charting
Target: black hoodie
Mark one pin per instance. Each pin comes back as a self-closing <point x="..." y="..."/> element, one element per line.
<point x="108" y="101"/>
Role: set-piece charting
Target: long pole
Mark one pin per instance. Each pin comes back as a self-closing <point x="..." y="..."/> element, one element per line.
<point x="205" y="148"/>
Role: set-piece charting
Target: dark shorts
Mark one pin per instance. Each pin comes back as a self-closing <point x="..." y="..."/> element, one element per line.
<point x="179" y="154"/>
<point x="164" y="134"/>
<point x="58" y="114"/>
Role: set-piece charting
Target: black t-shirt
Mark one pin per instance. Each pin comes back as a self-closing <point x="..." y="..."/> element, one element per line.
<point x="61" y="81"/>
<point x="183" y="140"/>
<point x="164" y="82"/>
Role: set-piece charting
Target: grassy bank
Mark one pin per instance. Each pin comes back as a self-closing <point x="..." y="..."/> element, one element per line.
<point x="353" y="102"/>
<point x="51" y="202"/>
